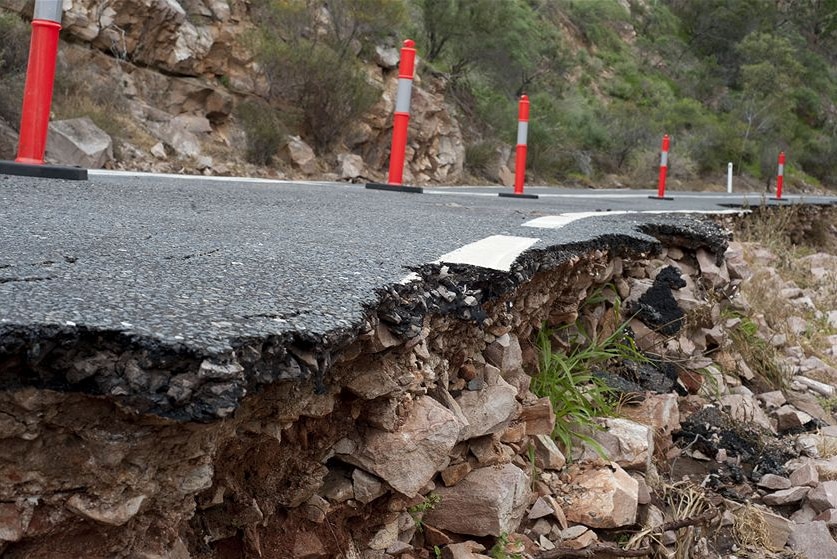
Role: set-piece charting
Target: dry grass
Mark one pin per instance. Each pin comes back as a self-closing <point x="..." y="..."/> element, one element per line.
<point x="684" y="500"/>
<point x="77" y="96"/>
<point x="750" y="528"/>
<point x="790" y="234"/>
<point x="827" y="446"/>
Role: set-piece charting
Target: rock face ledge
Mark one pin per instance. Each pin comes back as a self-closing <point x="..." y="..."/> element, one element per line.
<point x="424" y="410"/>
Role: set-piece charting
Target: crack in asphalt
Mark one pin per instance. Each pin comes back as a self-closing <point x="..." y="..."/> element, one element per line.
<point x="194" y="255"/>
<point x="24" y="280"/>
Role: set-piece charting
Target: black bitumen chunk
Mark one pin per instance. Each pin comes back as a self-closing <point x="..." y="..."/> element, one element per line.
<point x="657" y="308"/>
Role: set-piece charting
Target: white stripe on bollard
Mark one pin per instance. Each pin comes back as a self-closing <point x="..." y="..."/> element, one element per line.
<point x="402" y="97"/>
<point x="782" y="169"/>
<point x="664" y="159"/>
<point x="49" y="10"/>
<point x="522" y="132"/>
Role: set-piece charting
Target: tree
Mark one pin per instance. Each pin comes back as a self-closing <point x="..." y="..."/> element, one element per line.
<point x="768" y="71"/>
<point x="307" y="51"/>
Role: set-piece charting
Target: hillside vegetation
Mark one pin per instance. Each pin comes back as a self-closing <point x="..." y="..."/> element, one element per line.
<point x="729" y="80"/>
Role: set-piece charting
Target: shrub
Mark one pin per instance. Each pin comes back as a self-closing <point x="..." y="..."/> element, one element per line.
<point x="265" y="132"/>
<point x="14" y="49"/>
<point x="480" y="158"/>
<point x="310" y="60"/>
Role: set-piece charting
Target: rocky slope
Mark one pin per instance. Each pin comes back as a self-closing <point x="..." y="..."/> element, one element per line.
<point x="165" y="77"/>
<point x="423" y="436"/>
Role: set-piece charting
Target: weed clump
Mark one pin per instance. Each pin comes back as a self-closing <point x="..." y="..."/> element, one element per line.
<point x="569" y="379"/>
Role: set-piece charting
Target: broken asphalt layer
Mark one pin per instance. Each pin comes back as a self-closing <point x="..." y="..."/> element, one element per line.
<point x="122" y="286"/>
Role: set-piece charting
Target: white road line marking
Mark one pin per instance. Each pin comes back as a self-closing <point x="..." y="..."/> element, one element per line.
<point x="211" y="178"/>
<point x="496" y="252"/>
<point x="558" y="221"/>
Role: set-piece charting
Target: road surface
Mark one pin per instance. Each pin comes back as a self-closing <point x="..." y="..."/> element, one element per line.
<point x="201" y="262"/>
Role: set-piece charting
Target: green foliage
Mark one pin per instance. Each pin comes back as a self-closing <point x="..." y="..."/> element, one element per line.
<point x="264" y="130"/>
<point x="566" y="378"/>
<point x="500" y="549"/>
<point x="479" y="158"/>
<point x="417" y="511"/>
<point x="599" y="21"/>
<point x="309" y="60"/>
<point x="14" y="49"/>
<point x="728" y="80"/>
<point x="759" y="354"/>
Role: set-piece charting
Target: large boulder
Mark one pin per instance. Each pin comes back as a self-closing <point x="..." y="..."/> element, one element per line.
<point x="78" y="141"/>
<point x="488" y="410"/>
<point x="409" y="457"/>
<point x="488" y="502"/>
<point x="603" y="498"/>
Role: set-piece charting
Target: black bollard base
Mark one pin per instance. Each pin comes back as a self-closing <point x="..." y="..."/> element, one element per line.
<point x="394" y="187"/>
<point x="660" y="198"/>
<point x="43" y="171"/>
<point x="513" y="195"/>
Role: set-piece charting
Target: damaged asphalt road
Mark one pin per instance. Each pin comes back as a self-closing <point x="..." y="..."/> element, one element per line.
<point x="196" y="267"/>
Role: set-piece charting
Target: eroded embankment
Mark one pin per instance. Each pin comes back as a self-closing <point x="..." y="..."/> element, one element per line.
<point x="315" y="447"/>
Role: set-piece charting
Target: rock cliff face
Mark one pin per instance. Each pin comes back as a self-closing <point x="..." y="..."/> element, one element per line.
<point x="181" y="68"/>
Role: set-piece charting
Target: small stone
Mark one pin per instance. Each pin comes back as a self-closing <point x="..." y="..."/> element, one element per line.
<point x="805" y="475"/>
<point x="385" y="537"/>
<point x="606" y="498"/>
<point x="547" y="454"/>
<point x="434" y="536"/>
<point x="778" y="528"/>
<point x="307" y="545"/>
<point x="489" y="451"/>
<point x="813" y="541"/>
<point x="820" y="388"/>
<point x="772" y="400"/>
<point x="746" y="408"/>
<point x="105" y="513"/>
<point x="488" y="410"/>
<point x="643" y="492"/>
<point x="789" y="418"/>
<point x="829" y="517"/>
<point x="13" y="522"/>
<point x="464" y="550"/>
<point x="573" y="532"/>
<point x="399" y="548"/>
<point x="495" y="498"/>
<point x="557" y="511"/>
<point x="541" y="527"/>
<point x="824" y="496"/>
<point x="805" y="514"/>
<point x="584" y="540"/>
<point x="337" y="488"/>
<point x="786" y="496"/>
<point x="774" y="482"/>
<point x="540" y="509"/>
<point x="316" y="509"/>
<point x="538" y="417"/>
<point x="514" y="433"/>
<point x="659" y="411"/>
<point x="367" y="487"/>
<point x="455" y="473"/>
<point x="159" y="151"/>
<point x="545" y="544"/>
